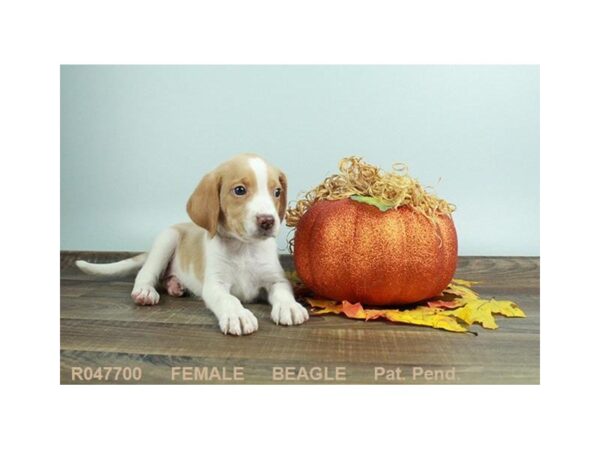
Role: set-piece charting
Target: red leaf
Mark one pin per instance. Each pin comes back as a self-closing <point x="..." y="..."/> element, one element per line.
<point x="444" y="304"/>
<point x="353" y="310"/>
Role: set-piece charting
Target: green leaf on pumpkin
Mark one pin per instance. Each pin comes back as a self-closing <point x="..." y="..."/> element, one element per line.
<point x="372" y="201"/>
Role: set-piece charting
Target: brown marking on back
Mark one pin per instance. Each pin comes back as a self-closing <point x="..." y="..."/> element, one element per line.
<point x="190" y="250"/>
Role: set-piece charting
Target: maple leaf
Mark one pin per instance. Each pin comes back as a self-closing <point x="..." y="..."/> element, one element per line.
<point x="420" y="315"/>
<point x="482" y="311"/>
<point x="353" y="310"/>
<point x="461" y="291"/>
<point x="455" y="310"/>
<point x="444" y="304"/>
<point x="464" y="282"/>
<point x="326" y="306"/>
<point x="423" y="315"/>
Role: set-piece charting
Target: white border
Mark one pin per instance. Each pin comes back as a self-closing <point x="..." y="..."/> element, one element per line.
<point x="38" y="36"/>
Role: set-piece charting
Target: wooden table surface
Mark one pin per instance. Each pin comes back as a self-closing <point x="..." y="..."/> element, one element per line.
<point x="102" y="328"/>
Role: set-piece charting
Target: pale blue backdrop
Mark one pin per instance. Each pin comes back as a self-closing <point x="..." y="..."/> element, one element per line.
<point x="135" y="140"/>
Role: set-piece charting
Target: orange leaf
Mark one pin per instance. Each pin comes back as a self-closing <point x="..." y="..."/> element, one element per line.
<point x="353" y="310"/>
<point x="448" y="313"/>
<point x="444" y="304"/>
<point x="371" y="314"/>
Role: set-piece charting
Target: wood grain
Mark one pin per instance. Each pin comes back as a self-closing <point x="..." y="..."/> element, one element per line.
<point x="102" y="327"/>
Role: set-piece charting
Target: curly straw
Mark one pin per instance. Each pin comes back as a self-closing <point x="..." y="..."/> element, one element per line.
<point x="356" y="177"/>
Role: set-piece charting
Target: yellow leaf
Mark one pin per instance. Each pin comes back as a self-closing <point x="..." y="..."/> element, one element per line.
<point x="481" y="311"/>
<point x="469" y="309"/>
<point x="475" y="311"/>
<point x="328" y="306"/>
<point x="426" y="316"/>
<point x="460" y="291"/>
<point x="463" y="282"/>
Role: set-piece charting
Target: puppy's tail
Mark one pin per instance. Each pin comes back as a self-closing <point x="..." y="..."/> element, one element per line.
<point x="123" y="267"/>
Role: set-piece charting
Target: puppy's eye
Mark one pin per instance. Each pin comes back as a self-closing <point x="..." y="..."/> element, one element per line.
<point x="239" y="191"/>
<point x="277" y="192"/>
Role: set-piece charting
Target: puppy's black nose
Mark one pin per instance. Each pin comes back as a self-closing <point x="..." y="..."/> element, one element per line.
<point x="265" y="221"/>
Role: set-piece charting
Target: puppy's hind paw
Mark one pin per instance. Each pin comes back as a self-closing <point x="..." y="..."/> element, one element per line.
<point x="173" y="286"/>
<point x="145" y="295"/>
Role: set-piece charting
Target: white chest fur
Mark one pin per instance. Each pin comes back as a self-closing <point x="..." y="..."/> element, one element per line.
<point x="244" y="268"/>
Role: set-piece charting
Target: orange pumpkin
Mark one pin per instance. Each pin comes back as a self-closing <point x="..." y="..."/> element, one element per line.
<point x="347" y="250"/>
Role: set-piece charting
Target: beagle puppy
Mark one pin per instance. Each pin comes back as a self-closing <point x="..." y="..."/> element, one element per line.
<point x="228" y="255"/>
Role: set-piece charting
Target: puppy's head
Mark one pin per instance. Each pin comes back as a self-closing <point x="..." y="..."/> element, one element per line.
<point x="244" y="198"/>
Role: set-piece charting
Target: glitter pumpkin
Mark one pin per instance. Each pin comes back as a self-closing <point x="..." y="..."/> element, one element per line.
<point x="348" y="250"/>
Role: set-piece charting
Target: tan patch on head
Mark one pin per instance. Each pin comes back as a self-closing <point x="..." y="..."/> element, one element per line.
<point x="190" y="251"/>
<point x="214" y="202"/>
<point x="236" y="172"/>
<point x="203" y="207"/>
<point x="277" y="179"/>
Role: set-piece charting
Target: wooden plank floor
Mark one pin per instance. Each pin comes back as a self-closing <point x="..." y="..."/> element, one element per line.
<point x="101" y="327"/>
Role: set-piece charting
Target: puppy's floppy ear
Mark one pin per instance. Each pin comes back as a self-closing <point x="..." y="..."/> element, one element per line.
<point x="283" y="196"/>
<point x="204" y="205"/>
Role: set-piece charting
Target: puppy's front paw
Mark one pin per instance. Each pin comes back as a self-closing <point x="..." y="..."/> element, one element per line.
<point x="292" y="313"/>
<point x="145" y="295"/>
<point x="238" y="321"/>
